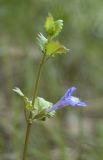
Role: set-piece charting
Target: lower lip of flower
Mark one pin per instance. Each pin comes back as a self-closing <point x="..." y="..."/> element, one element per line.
<point x="74" y="99"/>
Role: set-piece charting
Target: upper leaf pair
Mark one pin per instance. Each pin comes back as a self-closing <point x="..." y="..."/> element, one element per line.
<point x="53" y="28"/>
<point x="49" y="46"/>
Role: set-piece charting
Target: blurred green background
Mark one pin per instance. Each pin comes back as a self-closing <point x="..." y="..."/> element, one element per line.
<point x="74" y="134"/>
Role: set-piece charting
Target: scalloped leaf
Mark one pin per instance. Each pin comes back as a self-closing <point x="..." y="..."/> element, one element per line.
<point x="58" y="27"/>
<point x="41" y="103"/>
<point x="53" y="28"/>
<point x="42" y="106"/>
<point x="50" y="25"/>
<point x="28" y="103"/>
<point x="18" y="91"/>
<point x="42" y="41"/>
<point x="54" y="47"/>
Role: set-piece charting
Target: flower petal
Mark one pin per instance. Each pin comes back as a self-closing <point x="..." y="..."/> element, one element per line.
<point x="68" y="100"/>
<point x="82" y="104"/>
<point x="55" y="106"/>
<point x="74" y="101"/>
<point x="69" y="92"/>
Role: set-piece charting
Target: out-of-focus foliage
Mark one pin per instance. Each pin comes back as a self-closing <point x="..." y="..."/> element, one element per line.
<point x="79" y="134"/>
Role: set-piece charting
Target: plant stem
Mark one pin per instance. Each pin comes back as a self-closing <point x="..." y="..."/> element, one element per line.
<point x="26" y="140"/>
<point x="29" y="123"/>
<point x="37" y="79"/>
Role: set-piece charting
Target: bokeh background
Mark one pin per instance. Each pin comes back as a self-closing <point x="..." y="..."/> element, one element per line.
<point x="74" y="134"/>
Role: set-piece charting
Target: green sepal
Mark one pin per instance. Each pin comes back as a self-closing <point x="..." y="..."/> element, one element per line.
<point x="53" y="27"/>
<point x="42" y="41"/>
<point x="54" y="47"/>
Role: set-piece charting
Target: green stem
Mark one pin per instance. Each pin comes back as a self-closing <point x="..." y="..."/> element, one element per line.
<point x="37" y="79"/>
<point x="26" y="141"/>
<point x="29" y="123"/>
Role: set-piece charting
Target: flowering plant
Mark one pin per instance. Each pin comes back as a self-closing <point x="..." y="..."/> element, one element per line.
<point x="38" y="108"/>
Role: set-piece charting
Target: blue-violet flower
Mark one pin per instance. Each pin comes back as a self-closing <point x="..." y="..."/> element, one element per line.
<point x="68" y="99"/>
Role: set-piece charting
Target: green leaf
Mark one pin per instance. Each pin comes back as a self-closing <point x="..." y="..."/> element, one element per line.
<point x="54" y="47"/>
<point x="18" y="91"/>
<point x="41" y="103"/>
<point x="53" y="28"/>
<point x="58" y="27"/>
<point x="42" y="106"/>
<point x="50" y="25"/>
<point x="28" y="103"/>
<point x="41" y="41"/>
